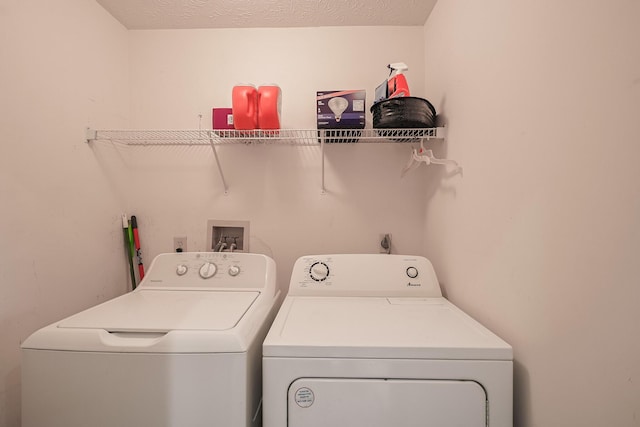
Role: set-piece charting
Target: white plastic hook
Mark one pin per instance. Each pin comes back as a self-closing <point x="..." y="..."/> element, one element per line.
<point x="421" y="155"/>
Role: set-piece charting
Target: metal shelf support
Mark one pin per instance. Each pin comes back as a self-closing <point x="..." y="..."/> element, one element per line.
<point x="215" y="154"/>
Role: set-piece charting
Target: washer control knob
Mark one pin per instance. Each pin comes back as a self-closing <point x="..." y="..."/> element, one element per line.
<point x="208" y="270"/>
<point x="181" y="270"/>
<point x="319" y="271"/>
<point x="234" y="270"/>
<point x="412" y="272"/>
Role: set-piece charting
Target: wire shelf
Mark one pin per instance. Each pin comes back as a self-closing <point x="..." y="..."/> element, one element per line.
<point x="280" y="136"/>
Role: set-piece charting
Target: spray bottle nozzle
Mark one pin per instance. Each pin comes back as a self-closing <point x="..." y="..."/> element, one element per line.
<point x="398" y="67"/>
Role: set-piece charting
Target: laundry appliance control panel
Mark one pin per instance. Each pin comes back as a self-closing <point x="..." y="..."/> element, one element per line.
<point x="364" y="275"/>
<point x="208" y="270"/>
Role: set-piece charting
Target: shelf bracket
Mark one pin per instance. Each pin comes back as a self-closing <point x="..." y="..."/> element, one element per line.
<point x="322" y="138"/>
<point x="91" y="135"/>
<point x="215" y="154"/>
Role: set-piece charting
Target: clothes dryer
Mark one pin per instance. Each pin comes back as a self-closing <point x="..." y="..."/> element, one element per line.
<point x="369" y="341"/>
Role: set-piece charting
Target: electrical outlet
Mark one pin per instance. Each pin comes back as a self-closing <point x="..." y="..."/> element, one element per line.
<point x="385" y="243"/>
<point x="227" y="236"/>
<point x="180" y="244"/>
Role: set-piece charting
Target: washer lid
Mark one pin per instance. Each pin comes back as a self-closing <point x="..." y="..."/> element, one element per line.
<point x="163" y="311"/>
<point x="374" y="327"/>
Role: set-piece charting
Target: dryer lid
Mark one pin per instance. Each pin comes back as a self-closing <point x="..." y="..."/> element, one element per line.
<point x="163" y="311"/>
<point x="375" y="327"/>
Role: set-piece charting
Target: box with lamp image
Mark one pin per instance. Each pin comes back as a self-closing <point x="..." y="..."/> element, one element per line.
<point x="341" y="109"/>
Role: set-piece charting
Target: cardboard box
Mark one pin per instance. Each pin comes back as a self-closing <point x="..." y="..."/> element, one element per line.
<point x="341" y="109"/>
<point x="222" y="118"/>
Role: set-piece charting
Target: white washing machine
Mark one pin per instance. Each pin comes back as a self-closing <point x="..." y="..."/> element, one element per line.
<point x="182" y="350"/>
<point x="369" y="341"/>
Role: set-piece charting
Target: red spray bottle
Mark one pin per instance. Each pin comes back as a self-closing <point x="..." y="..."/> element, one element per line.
<point x="397" y="83"/>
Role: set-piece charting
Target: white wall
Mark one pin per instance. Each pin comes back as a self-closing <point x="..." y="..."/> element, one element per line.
<point x="177" y="75"/>
<point x="540" y="239"/>
<point x="63" y="66"/>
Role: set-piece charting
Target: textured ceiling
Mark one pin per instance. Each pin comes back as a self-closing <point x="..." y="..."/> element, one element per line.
<point x="166" y="14"/>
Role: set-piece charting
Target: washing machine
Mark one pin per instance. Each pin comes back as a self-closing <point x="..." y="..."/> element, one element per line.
<point x="369" y="341"/>
<point x="183" y="349"/>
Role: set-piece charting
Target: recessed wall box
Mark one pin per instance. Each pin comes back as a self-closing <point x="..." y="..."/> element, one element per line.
<point x="227" y="236"/>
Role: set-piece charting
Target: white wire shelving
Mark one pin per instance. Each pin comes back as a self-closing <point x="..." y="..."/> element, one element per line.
<point x="281" y="136"/>
<point x="300" y="137"/>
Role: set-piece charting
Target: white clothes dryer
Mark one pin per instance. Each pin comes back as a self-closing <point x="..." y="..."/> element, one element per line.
<point x="369" y="341"/>
<point x="183" y="349"/>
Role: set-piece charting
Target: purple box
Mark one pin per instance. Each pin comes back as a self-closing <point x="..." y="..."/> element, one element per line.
<point x="341" y="109"/>
<point x="222" y="118"/>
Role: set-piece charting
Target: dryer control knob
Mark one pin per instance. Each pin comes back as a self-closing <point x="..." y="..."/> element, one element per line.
<point x="412" y="272"/>
<point x="319" y="271"/>
<point x="208" y="270"/>
<point x="234" y="270"/>
<point x="181" y="270"/>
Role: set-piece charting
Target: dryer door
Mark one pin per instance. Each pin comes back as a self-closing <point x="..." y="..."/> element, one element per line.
<point x="357" y="402"/>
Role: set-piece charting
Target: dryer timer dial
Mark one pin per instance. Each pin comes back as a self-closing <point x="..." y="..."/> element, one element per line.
<point x="319" y="271"/>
